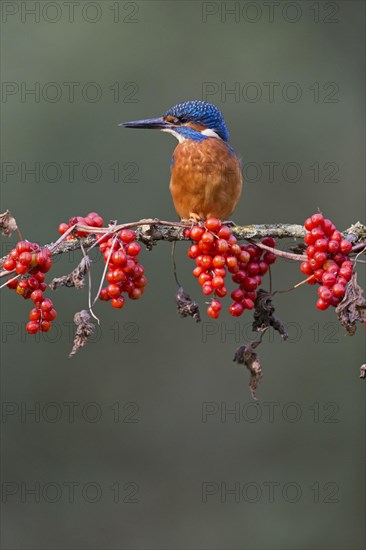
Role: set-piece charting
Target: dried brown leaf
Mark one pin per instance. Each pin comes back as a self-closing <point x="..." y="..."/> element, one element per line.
<point x="7" y="223"/>
<point x="352" y="308"/>
<point x="246" y="355"/>
<point x="75" y="278"/>
<point x="83" y="331"/>
<point x="264" y="315"/>
<point x="186" y="306"/>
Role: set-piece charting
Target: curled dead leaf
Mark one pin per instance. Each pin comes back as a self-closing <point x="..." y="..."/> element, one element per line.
<point x="187" y="307"/>
<point x="7" y="223"/>
<point x="264" y="315"/>
<point x="246" y="355"/>
<point x="75" y="278"/>
<point x="83" y="331"/>
<point x="352" y="308"/>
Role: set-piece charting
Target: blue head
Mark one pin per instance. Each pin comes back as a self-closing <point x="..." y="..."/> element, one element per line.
<point x="191" y="119"/>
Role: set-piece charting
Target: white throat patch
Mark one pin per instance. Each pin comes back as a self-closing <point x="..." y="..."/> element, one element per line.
<point x="177" y="135"/>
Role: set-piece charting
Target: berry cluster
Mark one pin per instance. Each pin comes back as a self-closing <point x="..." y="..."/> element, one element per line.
<point x="92" y="220"/>
<point x="216" y="252"/>
<point x="125" y="274"/>
<point x="328" y="262"/>
<point x="32" y="262"/>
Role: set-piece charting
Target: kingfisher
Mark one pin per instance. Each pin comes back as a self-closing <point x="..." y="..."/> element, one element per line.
<point x="206" y="179"/>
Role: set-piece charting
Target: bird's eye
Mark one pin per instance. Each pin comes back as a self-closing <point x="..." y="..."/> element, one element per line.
<point x="172" y="119"/>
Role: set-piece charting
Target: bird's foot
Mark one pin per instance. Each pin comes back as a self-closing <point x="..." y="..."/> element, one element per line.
<point x="230" y="223"/>
<point x="192" y="220"/>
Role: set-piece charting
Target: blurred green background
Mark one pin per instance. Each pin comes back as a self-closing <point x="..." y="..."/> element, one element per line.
<point x="139" y="423"/>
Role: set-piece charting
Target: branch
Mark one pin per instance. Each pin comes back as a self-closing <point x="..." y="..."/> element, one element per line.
<point x="150" y="231"/>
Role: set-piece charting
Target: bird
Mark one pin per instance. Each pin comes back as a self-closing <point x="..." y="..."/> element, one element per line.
<point x="206" y="179"/>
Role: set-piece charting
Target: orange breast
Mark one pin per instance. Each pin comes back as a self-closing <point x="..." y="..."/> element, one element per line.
<point x="206" y="179"/>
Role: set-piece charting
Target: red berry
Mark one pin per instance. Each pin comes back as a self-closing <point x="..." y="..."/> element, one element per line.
<point x="25" y="258"/>
<point x="127" y="235"/>
<point x="217" y="282"/>
<point x="263" y="267"/>
<point x="321" y="245"/>
<point x="239" y="277"/>
<point x="45" y="326"/>
<point x="204" y="278"/>
<point x="308" y="224"/>
<point x="221" y="246"/>
<point x="320" y="258"/>
<point x="318" y="275"/>
<point x="324" y="293"/>
<point x="49" y="315"/>
<point x="336" y="236"/>
<point x="9" y="264"/>
<point x="236" y="309"/>
<point x="251" y="295"/>
<point x="196" y="233"/>
<point x="21" y="269"/>
<point x="12" y="283"/>
<point x="338" y="290"/>
<point x="345" y="246"/>
<point x="333" y="246"/>
<point x="218" y="261"/>
<point x="250" y="283"/>
<point x="141" y="282"/>
<point x="321" y="304"/>
<point x="237" y="295"/>
<point x="37" y="295"/>
<point x="346" y="273"/>
<point x="193" y="251"/>
<point x="329" y="279"/>
<point x="220" y="271"/>
<point x="23" y="246"/>
<point x="310" y="251"/>
<point x="32" y="327"/>
<point x="197" y="271"/>
<point x="216" y="305"/>
<point x="113" y="290"/>
<point x="118" y="302"/>
<point x="224" y="232"/>
<point x="104" y="296"/>
<point x="269" y="258"/>
<point x="213" y="313"/>
<point x="62" y="228"/>
<point x="133" y="249"/>
<point x="248" y="303"/>
<point x="207" y="289"/>
<point x="206" y="261"/>
<point x="309" y="239"/>
<point x="46" y="304"/>
<point x="207" y="238"/>
<point x="213" y="224"/>
<point x="33" y="283"/>
<point x="328" y="226"/>
<point x="269" y="241"/>
<point x="136" y="293"/>
<point x="221" y="292"/>
<point x="317" y="233"/>
<point x="305" y="268"/>
<point x="34" y="314"/>
<point x="232" y="264"/>
<point x="253" y="268"/>
<point x="119" y="258"/>
<point x="317" y="219"/>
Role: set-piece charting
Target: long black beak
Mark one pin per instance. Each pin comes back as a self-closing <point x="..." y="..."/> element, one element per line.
<point x="156" y="123"/>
